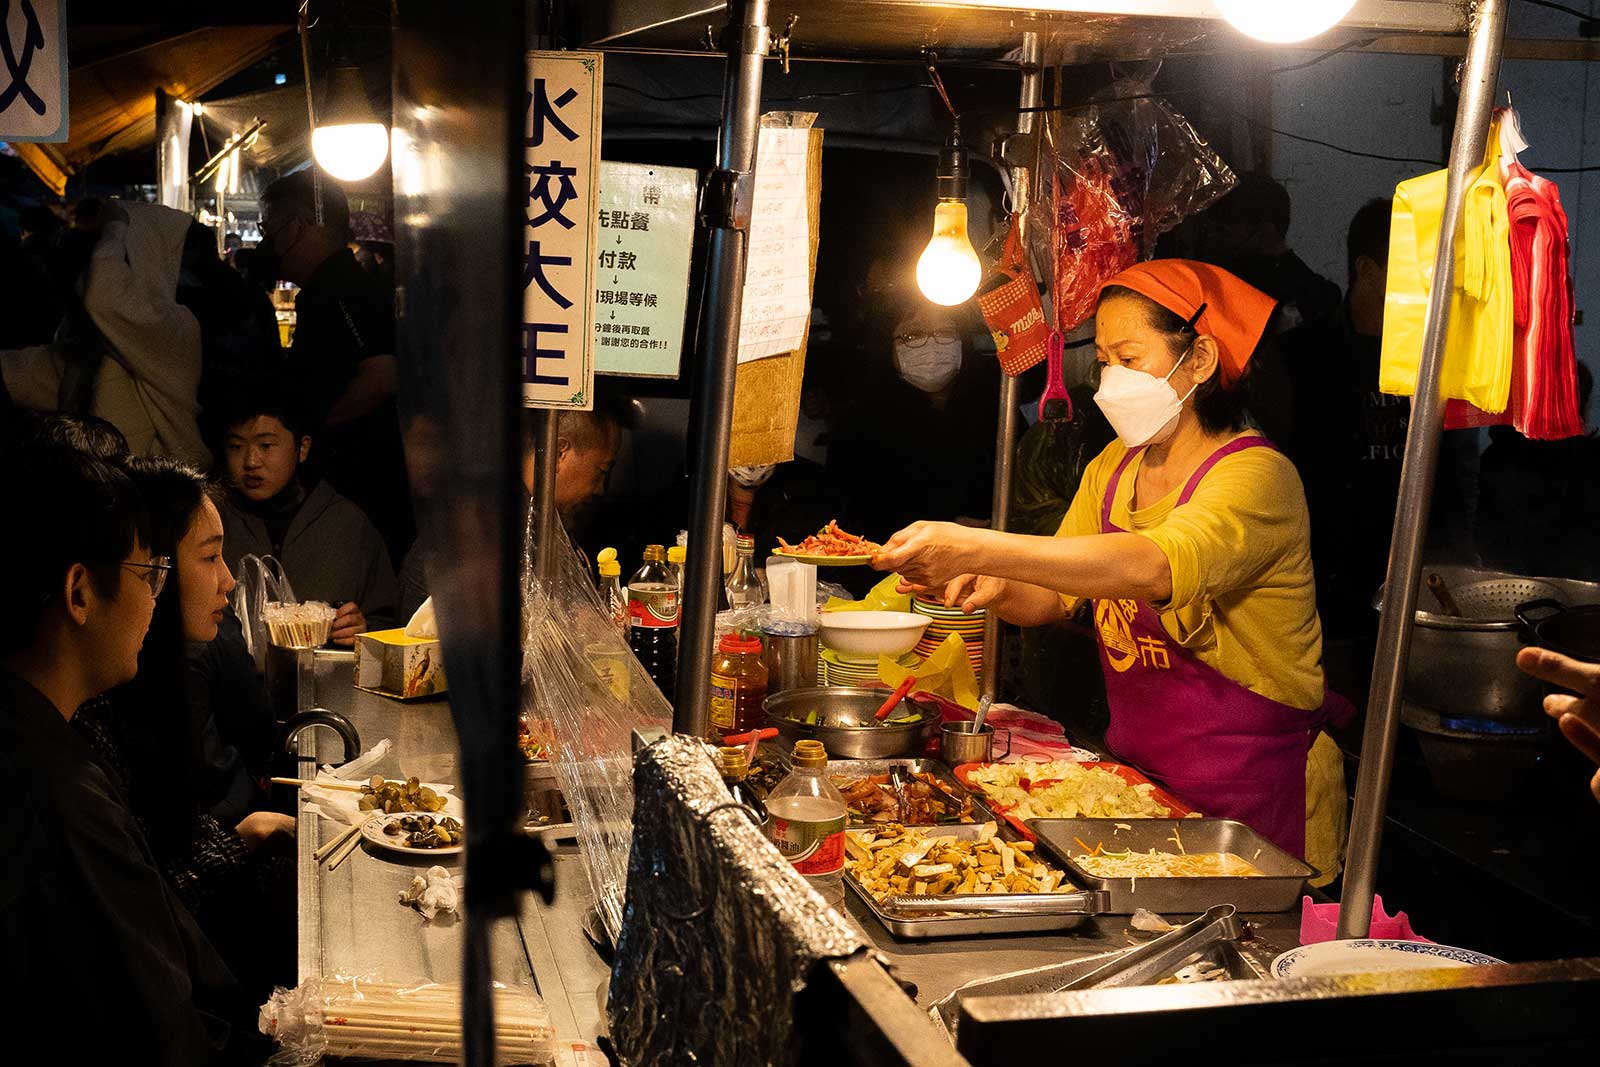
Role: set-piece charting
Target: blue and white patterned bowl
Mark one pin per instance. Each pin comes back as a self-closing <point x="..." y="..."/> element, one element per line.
<point x="1372" y="955"/>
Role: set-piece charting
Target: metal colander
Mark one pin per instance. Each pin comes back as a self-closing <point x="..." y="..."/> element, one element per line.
<point x="1494" y="600"/>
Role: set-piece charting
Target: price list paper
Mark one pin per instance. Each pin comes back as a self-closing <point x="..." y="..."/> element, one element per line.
<point x="777" y="279"/>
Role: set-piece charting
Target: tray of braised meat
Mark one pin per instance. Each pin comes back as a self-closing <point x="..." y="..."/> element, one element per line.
<point x="912" y="792"/>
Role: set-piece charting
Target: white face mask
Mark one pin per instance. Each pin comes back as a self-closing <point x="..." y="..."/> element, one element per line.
<point x="1142" y="408"/>
<point x="929" y="366"/>
<point x="752" y="477"/>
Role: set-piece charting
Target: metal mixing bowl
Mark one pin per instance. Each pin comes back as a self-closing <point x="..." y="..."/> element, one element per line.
<point x="845" y="725"/>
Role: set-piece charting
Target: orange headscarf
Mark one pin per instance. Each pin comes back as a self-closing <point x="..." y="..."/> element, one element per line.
<point x="1235" y="313"/>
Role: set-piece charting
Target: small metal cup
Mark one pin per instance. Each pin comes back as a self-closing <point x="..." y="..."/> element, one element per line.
<point x="791" y="661"/>
<point x="958" y="744"/>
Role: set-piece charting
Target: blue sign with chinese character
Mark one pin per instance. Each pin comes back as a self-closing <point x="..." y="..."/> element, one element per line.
<point x="33" y="70"/>
<point x="561" y="179"/>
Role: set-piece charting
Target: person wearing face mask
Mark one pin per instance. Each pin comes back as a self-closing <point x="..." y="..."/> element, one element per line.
<point x="776" y="500"/>
<point x="1190" y="536"/>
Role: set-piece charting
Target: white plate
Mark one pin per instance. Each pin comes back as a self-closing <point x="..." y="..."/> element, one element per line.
<point x="372" y="830"/>
<point x="1372" y="955"/>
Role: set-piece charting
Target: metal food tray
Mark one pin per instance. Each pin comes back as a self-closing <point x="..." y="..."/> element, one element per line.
<point x="1283" y="876"/>
<point x="971" y="925"/>
<point x="861" y="768"/>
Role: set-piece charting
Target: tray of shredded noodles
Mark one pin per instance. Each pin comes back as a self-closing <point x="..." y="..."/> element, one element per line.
<point x="1175" y="866"/>
<point x="1064" y="789"/>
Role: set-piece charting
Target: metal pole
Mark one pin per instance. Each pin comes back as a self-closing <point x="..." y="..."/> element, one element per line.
<point x="727" y="206"/>
<point x="1486" y="37"/>
<point x="546" y="453"/>
<point x="1005" y="438"/>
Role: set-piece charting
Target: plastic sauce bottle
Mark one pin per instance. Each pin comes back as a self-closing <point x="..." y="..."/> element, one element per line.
<point x="808" y="820"/>
<point x="735" y="767"/>
<point x="611" y="595"/>
<point x="653" y="620"/>
<point x="738" y="686"/>
<point x="677" y="555"/>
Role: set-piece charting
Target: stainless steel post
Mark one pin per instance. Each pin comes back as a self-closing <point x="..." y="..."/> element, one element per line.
<point x="546" y="452"/>
<point x="1484" y="43"/>
<point x="712" y="416"/>
<point x="1005" y="437"/>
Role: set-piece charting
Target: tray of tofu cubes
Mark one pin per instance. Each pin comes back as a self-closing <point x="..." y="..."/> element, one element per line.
<point x="961" y="881"/>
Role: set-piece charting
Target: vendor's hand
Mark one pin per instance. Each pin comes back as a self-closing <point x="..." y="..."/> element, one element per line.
<point x="1577" y="716"/>
<point x="347" y="623"/>
<point x="259" y="827"/>
<point x="929" y="553"/>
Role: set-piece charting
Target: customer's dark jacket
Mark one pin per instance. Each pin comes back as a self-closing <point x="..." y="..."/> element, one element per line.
<point x="102" y="962"/>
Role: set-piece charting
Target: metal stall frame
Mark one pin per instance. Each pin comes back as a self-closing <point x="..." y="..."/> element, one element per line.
<point x="989" y="31"/>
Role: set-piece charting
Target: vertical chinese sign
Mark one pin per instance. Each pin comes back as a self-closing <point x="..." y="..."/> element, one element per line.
<point x="561" y="170"/>
<point x="646" y="237"/>
<point x="33" y="70"/>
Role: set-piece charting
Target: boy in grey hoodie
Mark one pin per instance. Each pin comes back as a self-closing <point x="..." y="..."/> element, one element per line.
<point x="328" y="547"/>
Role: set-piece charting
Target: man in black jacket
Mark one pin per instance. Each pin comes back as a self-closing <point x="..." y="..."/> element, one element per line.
<point x="100" y="956"/>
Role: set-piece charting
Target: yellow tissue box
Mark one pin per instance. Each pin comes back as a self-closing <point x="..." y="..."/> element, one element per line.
<point x="395" y="665"/>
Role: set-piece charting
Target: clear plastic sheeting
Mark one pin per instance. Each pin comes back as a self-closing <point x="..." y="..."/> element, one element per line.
<point x="720" y="932"/>
<point x="580" y="676"/>
<point x="1114" y="175"/>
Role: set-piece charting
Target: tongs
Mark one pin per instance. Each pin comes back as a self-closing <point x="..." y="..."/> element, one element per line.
<point x="1152" y="961"/>
<point x="1089" y="902"/>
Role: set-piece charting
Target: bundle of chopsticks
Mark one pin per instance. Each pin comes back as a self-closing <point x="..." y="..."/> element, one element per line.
<point x="377" y="1020"/>
<point x="339" y="848"/>
<point x="298" y="625"/>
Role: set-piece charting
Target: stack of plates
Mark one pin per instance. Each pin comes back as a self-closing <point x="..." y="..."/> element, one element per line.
<point x="947" y="621"/>
<point x="834" y="669"/>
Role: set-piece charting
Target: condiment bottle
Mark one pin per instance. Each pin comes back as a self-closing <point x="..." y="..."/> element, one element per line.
<point x="744" y="586"/>
<point x="677" y="555"/>
<point x="611" y="594"/>
<point x="738" y="686"/>
<point x="808" y="819"/>
<point x="653" y="620"/>
<point x="735" y="767"/>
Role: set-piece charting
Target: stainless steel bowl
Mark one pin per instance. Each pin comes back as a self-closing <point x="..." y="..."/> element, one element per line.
<point x="845" y="725"/>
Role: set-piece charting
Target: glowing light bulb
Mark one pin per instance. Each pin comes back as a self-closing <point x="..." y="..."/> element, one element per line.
<point x="350" y="152"/>
<point x="949" y="271"/>
<point x="1283" y="21"/>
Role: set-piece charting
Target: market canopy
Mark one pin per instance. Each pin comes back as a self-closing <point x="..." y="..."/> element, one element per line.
<point x="112" y="80"/>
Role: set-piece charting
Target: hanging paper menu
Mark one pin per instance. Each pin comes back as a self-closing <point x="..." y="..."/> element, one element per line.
<point x="777" y="279"/>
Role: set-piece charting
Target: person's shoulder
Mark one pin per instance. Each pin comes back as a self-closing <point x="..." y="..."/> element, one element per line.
<point x="1263" y="467"/>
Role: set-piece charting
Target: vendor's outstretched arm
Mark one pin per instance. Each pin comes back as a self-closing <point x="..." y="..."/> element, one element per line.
<point x="1120" y="565"/>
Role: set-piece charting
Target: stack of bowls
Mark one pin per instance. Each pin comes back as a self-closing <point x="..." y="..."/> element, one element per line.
<point x="947" y="621"/>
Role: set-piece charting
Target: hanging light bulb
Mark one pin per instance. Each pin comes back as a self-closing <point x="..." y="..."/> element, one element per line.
<point x="949" y="271"/>
<point x="349" y="141"/>
<point x="1284" y="21"/>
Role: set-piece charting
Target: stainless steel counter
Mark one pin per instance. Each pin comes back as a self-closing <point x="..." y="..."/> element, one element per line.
<point x="350" y="920"/>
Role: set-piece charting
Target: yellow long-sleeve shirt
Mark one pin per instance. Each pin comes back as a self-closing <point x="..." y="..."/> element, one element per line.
<point x="1243" y="594"/>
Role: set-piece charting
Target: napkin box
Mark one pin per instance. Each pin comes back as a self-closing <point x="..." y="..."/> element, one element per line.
<point x="395" y="665"/>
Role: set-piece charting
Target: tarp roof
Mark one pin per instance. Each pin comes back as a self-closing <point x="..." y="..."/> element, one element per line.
<point x="113" y="75"/>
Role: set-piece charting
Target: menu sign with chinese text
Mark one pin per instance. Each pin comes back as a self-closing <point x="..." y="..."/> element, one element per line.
<point x="646" y="221"/>
<point x="561" y="170"/>
<point x="33" y="74"/>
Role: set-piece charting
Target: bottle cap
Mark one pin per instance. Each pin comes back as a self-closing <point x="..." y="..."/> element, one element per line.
<point x="736" y="643"/>
<point x="610" y="568"/>
<point x="605" y="555"/>
<point x="810" y="754"/>
<point x="677" y="554"/>
<point x="654" y="553"/>
<point x="734" y="762"/>
<point x="747" y="541"/>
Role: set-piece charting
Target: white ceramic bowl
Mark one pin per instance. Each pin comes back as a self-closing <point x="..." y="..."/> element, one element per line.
<point x="872" y="633"/>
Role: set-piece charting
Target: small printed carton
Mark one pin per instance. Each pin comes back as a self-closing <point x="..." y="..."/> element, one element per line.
<point x="394" y="664"/>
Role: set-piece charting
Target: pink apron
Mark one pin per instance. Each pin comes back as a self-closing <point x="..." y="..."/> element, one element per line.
<point x="1217" y="745"/>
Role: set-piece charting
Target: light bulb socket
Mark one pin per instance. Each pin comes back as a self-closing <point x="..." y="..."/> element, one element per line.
<point x="346" y="102"/>
<point x="953" y="170"/>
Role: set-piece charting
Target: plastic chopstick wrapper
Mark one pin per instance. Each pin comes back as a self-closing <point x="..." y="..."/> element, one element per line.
<point x="368" y="1018"/>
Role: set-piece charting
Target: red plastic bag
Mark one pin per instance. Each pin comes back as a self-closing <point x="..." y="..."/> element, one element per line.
<point x="1011" y="307"/>
<point x="1115" y="175"/>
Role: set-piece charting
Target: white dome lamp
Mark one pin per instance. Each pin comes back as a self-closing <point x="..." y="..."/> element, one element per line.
<point x="349" y="142"/>
<point x="1284" y="21"/>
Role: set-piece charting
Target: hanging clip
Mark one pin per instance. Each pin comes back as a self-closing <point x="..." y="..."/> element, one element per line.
<point x="780" y="43"/>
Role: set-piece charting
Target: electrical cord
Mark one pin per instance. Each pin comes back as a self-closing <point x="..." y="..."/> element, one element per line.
<point x="1563" y="8"/>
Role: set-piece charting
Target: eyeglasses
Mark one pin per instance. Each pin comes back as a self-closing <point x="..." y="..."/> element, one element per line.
<point x="154" y="573"/>
<point x="917" y="340"/>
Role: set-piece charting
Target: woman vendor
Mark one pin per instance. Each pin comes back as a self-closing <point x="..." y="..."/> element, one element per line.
<point x="1190" y="535"/>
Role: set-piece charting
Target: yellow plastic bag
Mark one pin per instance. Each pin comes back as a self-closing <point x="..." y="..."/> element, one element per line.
<point x="880" y="597"/>
<point x="1478" y="349"/>
<point x="947" y="673"/>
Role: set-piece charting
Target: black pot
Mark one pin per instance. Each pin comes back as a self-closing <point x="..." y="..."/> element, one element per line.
<point x="1573" y="632"/>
